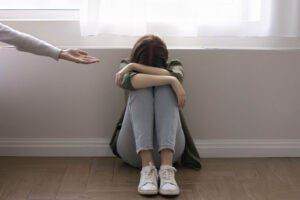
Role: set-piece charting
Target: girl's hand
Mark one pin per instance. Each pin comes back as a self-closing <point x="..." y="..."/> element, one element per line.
<point x="121" y="73"/>
<point x="118" y="77"/>
<point x="180" y="93"/>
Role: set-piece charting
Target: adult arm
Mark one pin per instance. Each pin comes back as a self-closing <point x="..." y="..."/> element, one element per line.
<point x="28" y="43"/>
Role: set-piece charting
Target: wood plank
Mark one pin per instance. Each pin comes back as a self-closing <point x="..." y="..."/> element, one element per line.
<point x="18" y="187"/>
<point x="46" y="178"/>
<point x="76" y="175"/>
<point x="48" y="186"/>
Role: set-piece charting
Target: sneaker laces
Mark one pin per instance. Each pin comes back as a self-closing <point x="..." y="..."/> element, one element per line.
<point x="167" y="174"/>
<point x="148" y="174"/>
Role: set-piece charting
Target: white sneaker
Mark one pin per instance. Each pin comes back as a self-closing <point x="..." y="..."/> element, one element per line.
<point x="168" y="185"/>
<point x="148" y="180"/>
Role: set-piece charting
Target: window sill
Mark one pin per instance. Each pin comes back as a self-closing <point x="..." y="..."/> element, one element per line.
<point x="67" y="33"/>
<point x="39" y="15"/>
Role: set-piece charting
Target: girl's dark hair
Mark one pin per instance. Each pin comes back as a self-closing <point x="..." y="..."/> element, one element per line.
<point x="150" y="50"/>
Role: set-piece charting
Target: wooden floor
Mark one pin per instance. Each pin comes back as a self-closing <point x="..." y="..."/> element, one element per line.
<point x="34" y="178"/>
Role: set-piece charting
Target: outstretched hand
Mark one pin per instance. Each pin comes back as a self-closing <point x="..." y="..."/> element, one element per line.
<point x="78" y="56"/>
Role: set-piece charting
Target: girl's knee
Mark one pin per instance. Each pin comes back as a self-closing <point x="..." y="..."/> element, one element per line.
<point x="141" y="91"/>
<point x="143" y="94"/>
<point x="164" y="88"/>
<point x="165" y="92"/>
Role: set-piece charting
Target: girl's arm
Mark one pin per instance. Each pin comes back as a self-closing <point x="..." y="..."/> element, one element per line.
<point x="147" y="77"/>
<point x="147" y="80"/>
<point x="142" y="69"/>
<point x="148" y="69"/>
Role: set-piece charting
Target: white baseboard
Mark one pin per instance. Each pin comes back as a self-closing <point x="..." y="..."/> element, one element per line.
<point x="248" y="148"/>
<point x="80" y="147"/>
<point x="99" y="147"/>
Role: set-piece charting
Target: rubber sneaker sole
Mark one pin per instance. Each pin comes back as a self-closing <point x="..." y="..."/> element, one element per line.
<point x="169" y="192"/>
<point x="148" y="192"/>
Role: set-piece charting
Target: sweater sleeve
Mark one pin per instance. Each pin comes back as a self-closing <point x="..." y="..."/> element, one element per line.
<point x="126" y="79"/>
<point x="176" y="69"/>
<point x="27" y="43"/>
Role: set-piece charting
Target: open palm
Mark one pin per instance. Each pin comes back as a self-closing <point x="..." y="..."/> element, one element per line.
<point x="78" y="56"/>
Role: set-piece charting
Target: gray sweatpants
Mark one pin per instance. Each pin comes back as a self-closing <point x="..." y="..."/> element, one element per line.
<point x="151" y="122"/>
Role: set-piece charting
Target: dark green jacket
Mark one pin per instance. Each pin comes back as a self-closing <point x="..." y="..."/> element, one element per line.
<point x="190" y="156"/>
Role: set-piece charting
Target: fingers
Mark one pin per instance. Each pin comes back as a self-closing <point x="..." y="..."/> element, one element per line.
<point x="82" y="52"/>
<point x="118" y="80"/>
<point x="181" y="101"/>
<point x="79" y="56"/>
<point x="87" y="60"/>
<point x="178" y="101"/>
<point x="90" y="59"/>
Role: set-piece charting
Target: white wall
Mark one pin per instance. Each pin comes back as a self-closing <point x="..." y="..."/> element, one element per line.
<point x="233" y="95"/>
